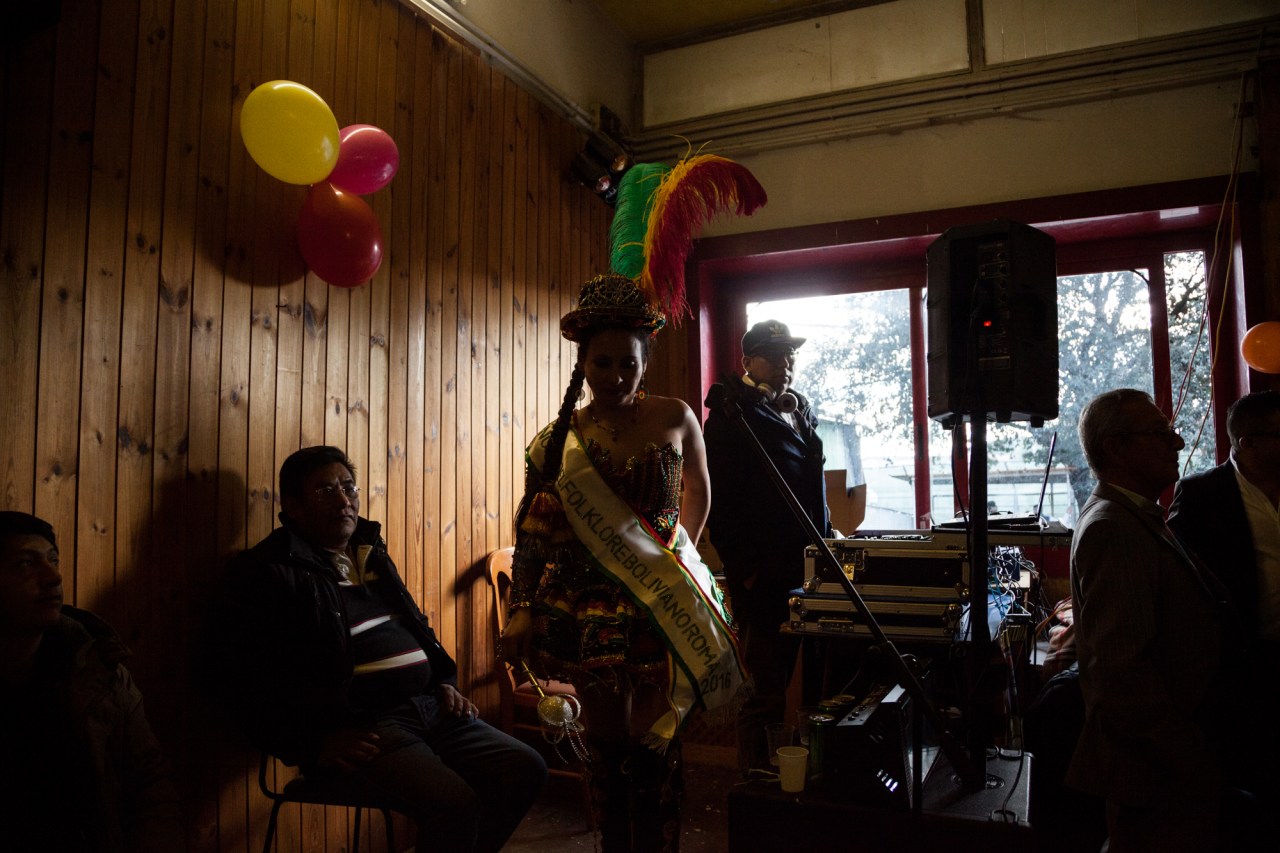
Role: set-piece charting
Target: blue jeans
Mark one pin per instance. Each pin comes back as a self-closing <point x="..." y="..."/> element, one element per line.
<point x="466" y="784"/>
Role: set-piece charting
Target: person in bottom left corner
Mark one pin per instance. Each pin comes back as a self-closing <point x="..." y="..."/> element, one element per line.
<point x="329" y="664"/>
<point x="80" y="768"/>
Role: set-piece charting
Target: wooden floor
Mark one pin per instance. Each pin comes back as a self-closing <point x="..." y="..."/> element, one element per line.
<point x="557" y="821"/>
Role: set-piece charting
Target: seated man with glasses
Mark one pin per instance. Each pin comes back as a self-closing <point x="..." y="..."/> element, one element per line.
<point x="755" y="534"/>
<point x="333" y="667"/>
<point x="1156" y="638"/>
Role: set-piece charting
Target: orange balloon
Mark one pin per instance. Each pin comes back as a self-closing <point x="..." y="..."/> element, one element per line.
<point x="1260" y="347"/>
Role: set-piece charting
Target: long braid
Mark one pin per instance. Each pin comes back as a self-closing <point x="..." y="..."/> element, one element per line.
<point x="559" y="432"/>
<point x="533" y="551"/>
<point x="536" y="480"/>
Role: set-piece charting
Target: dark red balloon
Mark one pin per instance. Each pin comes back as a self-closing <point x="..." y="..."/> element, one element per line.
<point x="339" y="236"/>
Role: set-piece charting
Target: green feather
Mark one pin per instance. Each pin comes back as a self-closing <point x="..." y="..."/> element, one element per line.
<point x="631" y="217"/>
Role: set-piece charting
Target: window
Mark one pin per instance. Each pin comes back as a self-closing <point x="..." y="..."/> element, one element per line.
<point x="856" y="369"/>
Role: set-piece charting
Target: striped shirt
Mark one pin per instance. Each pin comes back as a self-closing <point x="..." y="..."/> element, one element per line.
<point x="388" y="662"/>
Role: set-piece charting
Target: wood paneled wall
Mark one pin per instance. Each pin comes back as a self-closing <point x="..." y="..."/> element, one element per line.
<point x="164" y="348"/>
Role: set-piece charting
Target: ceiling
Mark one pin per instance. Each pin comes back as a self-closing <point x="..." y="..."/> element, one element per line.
<point x="655" y="24"/>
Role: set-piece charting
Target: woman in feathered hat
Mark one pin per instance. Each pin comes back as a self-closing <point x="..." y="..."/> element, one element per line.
<point x="608" y="590"/>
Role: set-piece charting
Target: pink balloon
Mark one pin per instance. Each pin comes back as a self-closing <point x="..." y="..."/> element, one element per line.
<point x="339" y="236"/>
<point x="367" y="160"/>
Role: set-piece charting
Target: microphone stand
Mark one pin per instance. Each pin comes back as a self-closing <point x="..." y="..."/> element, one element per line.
<point x="723" y="399"/>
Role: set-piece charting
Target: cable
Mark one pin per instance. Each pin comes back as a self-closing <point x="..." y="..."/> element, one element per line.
<point x="1228" y="203"/>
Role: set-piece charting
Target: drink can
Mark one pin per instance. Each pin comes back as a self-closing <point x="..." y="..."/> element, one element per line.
<point x="844" y="703"/>
<point x="822" y="729"/>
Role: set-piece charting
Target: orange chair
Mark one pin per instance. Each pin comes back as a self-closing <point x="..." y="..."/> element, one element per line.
<point x="519" y="710"/>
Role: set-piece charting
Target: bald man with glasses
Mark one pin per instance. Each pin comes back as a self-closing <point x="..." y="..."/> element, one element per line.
<point x="1155" y="634"/>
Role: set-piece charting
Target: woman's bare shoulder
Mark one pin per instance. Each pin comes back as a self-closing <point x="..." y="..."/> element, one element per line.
<point x="670" y="409"/>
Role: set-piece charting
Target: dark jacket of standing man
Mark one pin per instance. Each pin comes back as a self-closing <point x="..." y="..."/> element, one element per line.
<point x="751" y="526"/>
<point x="335" y="668"/>
<point x="1228" y="515"/>
<point x="1153" y="631"/>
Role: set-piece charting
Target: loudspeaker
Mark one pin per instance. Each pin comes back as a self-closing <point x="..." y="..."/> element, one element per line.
<point x="992" y="324"/>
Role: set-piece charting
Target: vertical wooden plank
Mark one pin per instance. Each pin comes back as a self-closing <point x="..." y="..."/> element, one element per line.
<point x="510" y="449"/>
<point x="360" y="97"/>
<point x="493" y="411"/>
<point x="291" y="330"/>
<point x="280" y="326"/>
<point x="244" y="196"/>
<point x="336" y="378"/>
<point x="314" y="414"/>
<point x="399" y="250"/>
<point x="437" y="248"/>
<point x="470" y="429"/>
<point x="178" y="596"/>
<point x="28" y="80"/>
<point x="378" y="108"/>
<point x="448" y="625"/>
<point x="62" y="315"/>
<point x="108" y="201"/>
<point x="528" y="223"/>
<point x="173" y="346"/>
<point x="135" y="427"/>
<point x="548" y="263"/>
<point x="418" y="344"/>
<point x="266" y="270"/>
<point x="221" y="808"/>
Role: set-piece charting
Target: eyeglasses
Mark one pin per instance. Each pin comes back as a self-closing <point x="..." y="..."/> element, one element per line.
<point x="327" y="493"/>
<point x="777" y="356"/>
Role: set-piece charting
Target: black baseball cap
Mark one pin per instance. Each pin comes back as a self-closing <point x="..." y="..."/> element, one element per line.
<point x="22" y="524"/>
<point x="768" y="333"/>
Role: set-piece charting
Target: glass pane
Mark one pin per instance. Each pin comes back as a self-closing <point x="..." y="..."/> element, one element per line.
<point x="1189" y="345"/>
<point x="855" y="369"/>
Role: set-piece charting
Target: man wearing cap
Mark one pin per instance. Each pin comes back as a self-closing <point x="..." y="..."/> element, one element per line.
<point x="79" y="766"/>
<point x="751" y="525"/>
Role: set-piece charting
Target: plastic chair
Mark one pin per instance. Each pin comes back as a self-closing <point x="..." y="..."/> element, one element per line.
<point x="519" y="707"/>
<point x="306" y="791"/>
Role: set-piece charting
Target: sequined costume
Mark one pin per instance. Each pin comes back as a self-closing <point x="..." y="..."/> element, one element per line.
<point x="585" y="624"/>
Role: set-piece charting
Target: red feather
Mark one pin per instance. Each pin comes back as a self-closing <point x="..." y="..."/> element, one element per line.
<point x="693" y="192"/>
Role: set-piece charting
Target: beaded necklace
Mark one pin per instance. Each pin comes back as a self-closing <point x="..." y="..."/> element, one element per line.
<point x="614" y="430"/>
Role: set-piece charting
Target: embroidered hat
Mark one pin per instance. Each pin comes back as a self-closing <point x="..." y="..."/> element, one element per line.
<point x="768" y="333"/>
<point x="611" y="300"/>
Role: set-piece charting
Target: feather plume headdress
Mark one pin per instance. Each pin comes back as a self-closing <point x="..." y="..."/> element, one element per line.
<point x="658" y="212"/>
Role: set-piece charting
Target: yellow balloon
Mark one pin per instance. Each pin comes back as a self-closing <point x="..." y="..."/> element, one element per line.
<point x="290" y="132"/>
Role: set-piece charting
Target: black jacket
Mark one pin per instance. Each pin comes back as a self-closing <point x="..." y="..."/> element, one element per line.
<point x="750" y="524"/>
<point x="1209" y="517"/>
<point x="285" y="641"/>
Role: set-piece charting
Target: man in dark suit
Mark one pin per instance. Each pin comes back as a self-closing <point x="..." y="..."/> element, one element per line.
<point x="754" y="532"/>
<point x="1153" y="631"/>
<point x="1228" y="515"/>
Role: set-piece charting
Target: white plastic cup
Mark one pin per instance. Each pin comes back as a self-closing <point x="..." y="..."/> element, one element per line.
<point x="793" y="761"/>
